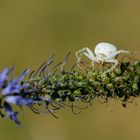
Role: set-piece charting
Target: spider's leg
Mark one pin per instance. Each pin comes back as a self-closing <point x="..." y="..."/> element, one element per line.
<point x="122" y="51"/>
<point x="85" y="51"/>
<point x="115" y="61"/>
<point x="113" y="55"/>
<point x="92" y="63"/>
<point x="92" y="58"/>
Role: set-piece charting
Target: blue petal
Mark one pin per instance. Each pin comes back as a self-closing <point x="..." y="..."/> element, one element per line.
<point x="18" y="100"/>
<point x="20" y="78"/>
<point x="3" y="76"/>
<point x="11" y="114"/>
<point x="15" y="85"/>
<point x="11" y="88"/>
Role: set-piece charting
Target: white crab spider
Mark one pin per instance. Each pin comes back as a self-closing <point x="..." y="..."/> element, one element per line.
<point x="104" y="52"/>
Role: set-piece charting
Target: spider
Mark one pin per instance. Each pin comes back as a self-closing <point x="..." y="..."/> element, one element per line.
<point x="104" y="52"/>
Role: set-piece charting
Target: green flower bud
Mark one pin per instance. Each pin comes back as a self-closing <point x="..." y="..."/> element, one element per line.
<point x="117" y="71"/>
<point x="118" y="80"/>
<point x="110" y="86"/>
<point x="135" y="87"/>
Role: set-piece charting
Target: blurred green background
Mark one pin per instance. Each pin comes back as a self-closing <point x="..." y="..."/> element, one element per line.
<point x="32" y="30"/>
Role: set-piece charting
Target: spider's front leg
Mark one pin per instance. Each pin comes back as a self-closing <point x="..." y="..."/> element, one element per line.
<point x="111" y="59"/>
<point x="115" y="61"/>
<point x="87" y="52"/>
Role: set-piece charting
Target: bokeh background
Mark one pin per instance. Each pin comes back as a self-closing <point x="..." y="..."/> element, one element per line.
<point x="32" y="30"/>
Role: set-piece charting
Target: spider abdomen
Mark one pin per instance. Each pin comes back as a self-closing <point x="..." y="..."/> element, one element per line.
<point x="105" y="48"/>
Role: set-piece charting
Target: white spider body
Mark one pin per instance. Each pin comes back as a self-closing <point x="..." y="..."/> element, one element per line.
<point x="104" y="52"/>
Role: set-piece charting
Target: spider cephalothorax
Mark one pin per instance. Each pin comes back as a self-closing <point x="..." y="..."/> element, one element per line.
<point x="104" y="52"/>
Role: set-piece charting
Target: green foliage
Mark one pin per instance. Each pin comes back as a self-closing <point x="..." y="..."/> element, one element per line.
<point x="90" y="83"/>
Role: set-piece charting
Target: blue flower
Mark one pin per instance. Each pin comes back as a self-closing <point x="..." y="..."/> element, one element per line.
<point x="18" y="100"/>
<point x="15" y="86"/>
<point x="12" y="92"/>
<point x="11" y="114"/>
<point x="3" y="76"/>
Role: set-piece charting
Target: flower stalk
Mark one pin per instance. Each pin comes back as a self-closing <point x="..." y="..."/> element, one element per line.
<point x="47" y="90"/>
